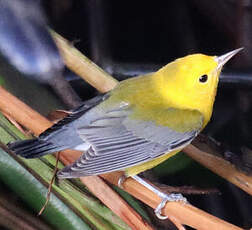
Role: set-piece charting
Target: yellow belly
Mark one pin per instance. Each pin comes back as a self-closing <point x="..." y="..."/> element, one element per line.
<point x="148" y="165"/>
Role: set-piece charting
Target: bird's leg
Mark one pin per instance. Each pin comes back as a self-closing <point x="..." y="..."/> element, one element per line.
<point x="165" y="197"/>
<point x="121" y="181"/>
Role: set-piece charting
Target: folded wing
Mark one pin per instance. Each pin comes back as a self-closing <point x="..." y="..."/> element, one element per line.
<point x="118" y="141"/>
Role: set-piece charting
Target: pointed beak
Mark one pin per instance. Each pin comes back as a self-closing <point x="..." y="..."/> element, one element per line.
<point x="223" y="59"/>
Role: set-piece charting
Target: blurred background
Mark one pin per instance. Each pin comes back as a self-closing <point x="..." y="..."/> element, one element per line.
<point x="128" y="38"/>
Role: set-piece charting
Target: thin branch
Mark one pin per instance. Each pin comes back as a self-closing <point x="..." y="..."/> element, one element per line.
<point x="221" y="167"/>
<point x="116" y="203"/>
<point x="11" y="106"/>
<point x="16" y="124"/>
<point x="64" y="90"/>
<point x="84" y="67"/>
<point x="189" y="190"/>
<point x="50" y="185"/>
<point x="184" y="213"/>
<point x="176" y="223"/>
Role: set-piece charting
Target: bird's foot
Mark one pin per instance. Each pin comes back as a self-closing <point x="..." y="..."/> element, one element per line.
<point x="173" y="197"/>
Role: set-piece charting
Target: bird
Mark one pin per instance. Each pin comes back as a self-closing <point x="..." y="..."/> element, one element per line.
<point x="137" y="125"/>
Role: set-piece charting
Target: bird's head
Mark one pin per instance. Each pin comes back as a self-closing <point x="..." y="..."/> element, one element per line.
<point x="191" y="82"/>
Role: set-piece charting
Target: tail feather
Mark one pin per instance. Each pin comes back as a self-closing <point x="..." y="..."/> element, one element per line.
<point x="33" y="148"/>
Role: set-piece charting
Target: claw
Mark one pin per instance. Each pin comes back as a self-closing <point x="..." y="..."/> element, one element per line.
<point x="165" y="198"/>
<point x="158" y="210"/>
<point x="168" y="198"/>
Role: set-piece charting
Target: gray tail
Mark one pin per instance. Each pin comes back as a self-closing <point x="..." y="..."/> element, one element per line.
<point x="33" y="148"/>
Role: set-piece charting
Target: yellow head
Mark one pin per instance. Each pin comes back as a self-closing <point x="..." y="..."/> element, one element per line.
<point x="191" y="82"/>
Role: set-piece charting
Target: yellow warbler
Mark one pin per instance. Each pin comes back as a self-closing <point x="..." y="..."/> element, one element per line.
<point x="139" y="124"/>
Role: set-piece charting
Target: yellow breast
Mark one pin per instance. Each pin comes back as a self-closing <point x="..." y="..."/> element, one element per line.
<point x="148" y="165"/>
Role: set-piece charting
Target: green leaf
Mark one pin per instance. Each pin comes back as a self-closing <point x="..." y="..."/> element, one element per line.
<point x="33" y="192"/>
<point x="74" y="194"/>
<point x="2" y="81"/>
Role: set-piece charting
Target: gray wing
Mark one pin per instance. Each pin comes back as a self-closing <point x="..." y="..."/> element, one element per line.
<point x="118" y="142"/>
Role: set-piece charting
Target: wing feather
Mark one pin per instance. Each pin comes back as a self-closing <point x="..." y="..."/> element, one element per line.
<point x="118" y="142"/>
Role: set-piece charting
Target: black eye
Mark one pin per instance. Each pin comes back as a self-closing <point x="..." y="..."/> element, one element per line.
<point x="203" y="78"/>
